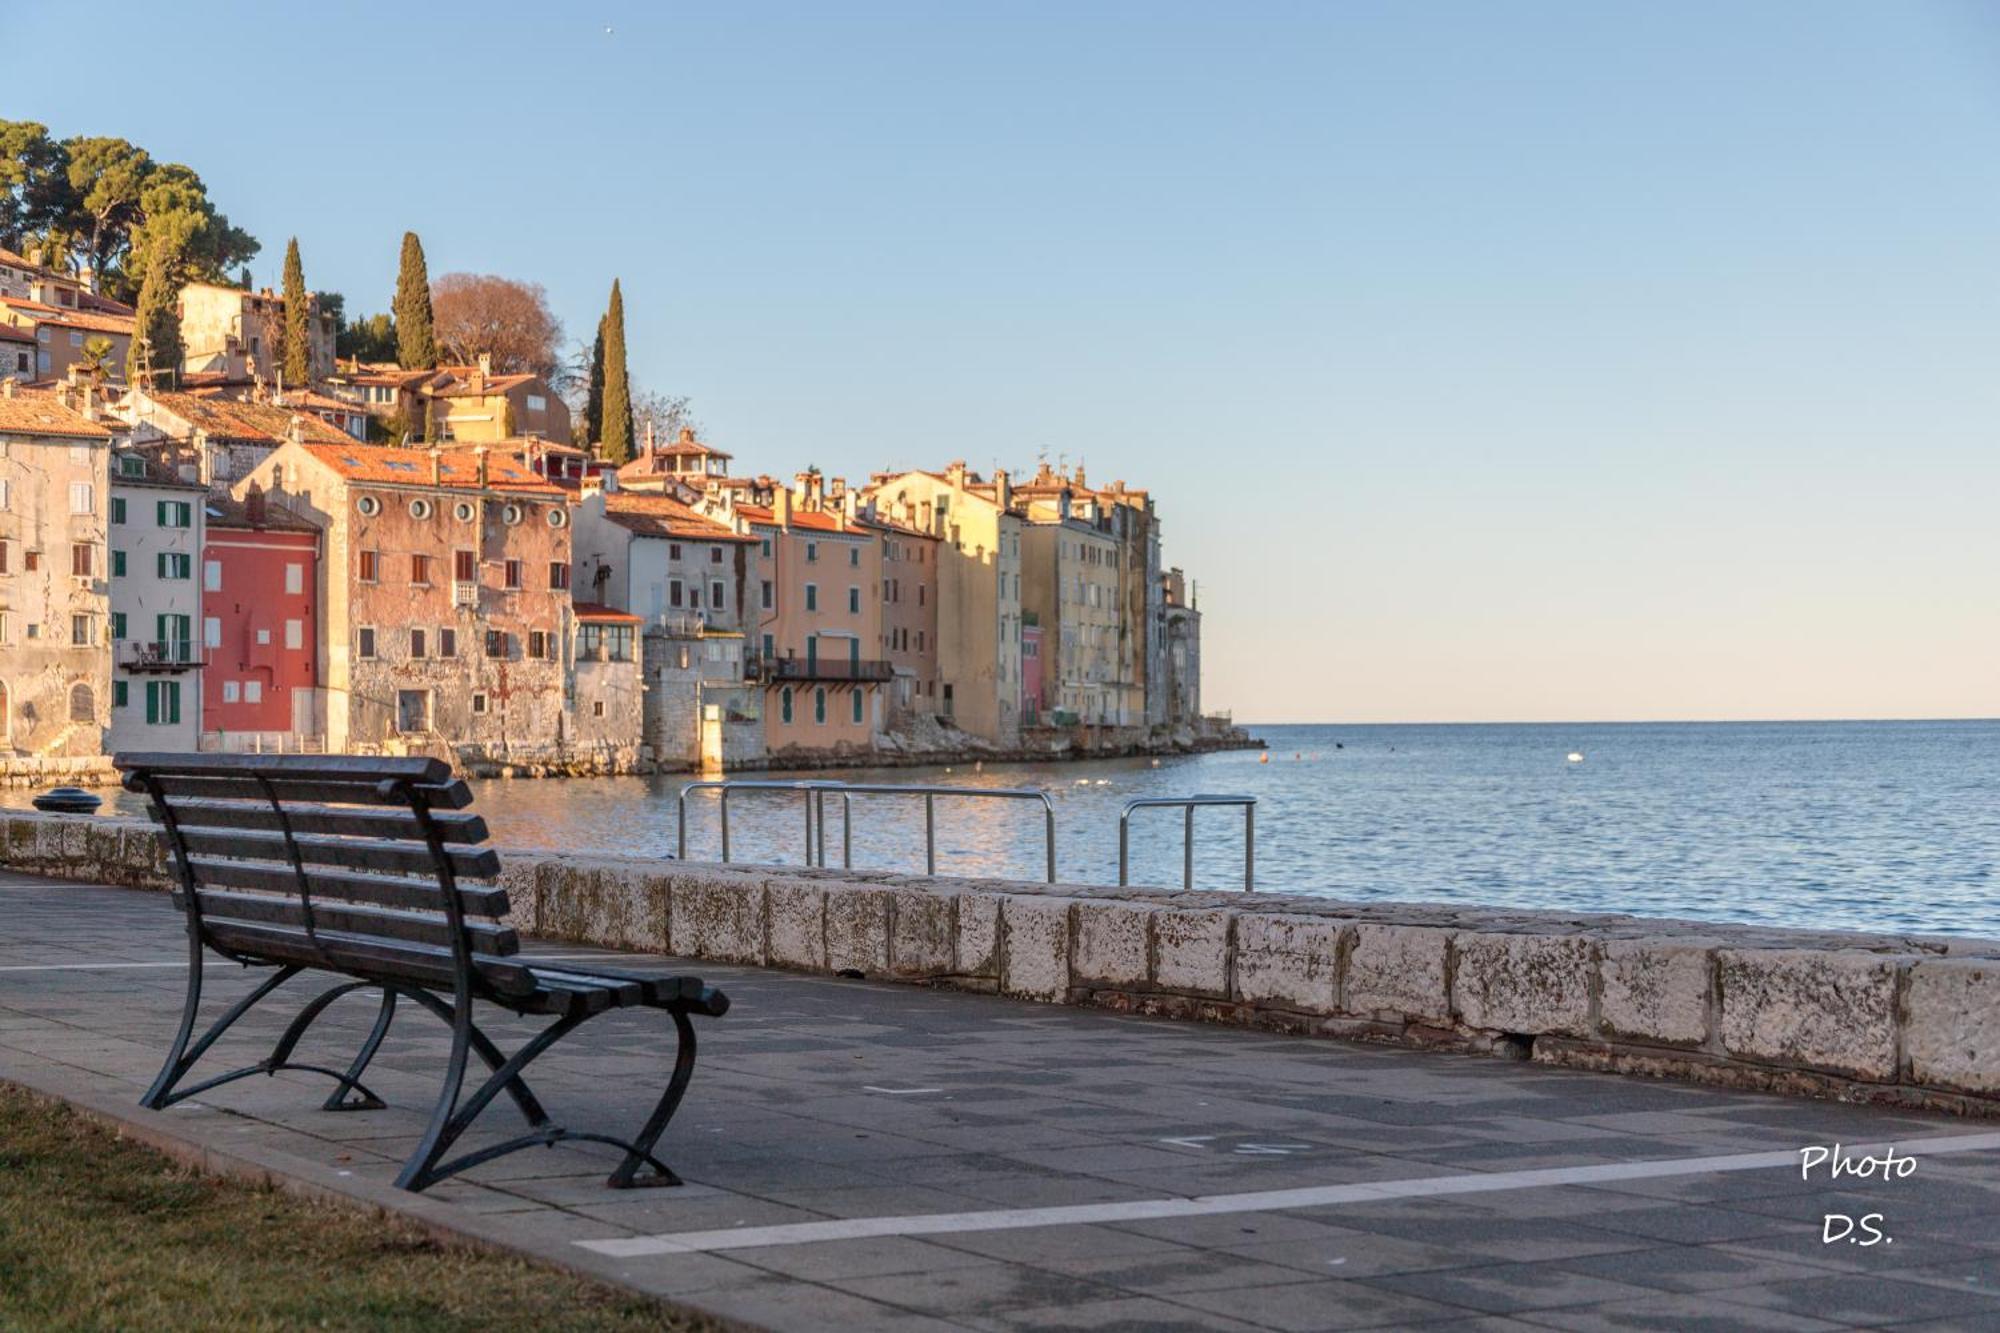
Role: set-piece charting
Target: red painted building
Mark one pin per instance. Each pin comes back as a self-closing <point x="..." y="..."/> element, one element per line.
<point x="260" y="625"/>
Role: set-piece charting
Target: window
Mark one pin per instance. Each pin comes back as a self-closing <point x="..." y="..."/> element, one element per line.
<point x="117" y="625"/>
<point x="715" y="594"/>
<point x="770" y="598"/>
<point x="769" y="651"/>
<point x="371" y="566"/>
<point x="175" y="514"/>
<point x="420" y="570"/>
<point x="295" y="579"/>
<point x="175" y="565"/>
<point x="163" y="702"/>
<point x="496" y="643"/>
<point x="119" y="695"/>
<point x="673" y="550"/>
<point x="211" y="575"/>
<point x="764" y="548"/>
<point x="479" y="705"/>
<point x="81" y="631"/>
<point x="117" y="504"/>
<point x="447" y="642"/>
<point x="857" y="705"/>
<point x="812" y="553"/>
<point x="364" y="643"/>
<point x="81" y="562"/>
<point x="785" y="704"/>
<point x="675" y="595"/>
<point x="854" y="601"/>
<point x="464" y="566"/>
<point x="538" y="643"/>
<point x="413" y="711"/>
<point x="417" y="643"/>
<point x="231" y="692"/>
<point x="597" y="708"/>
<point x="295" y="634"/>
<point x="854" y="557"/>
<point x="620" y="639"/>
<point x="715" y="555"/>
<point x="537" y="403"/>
<point x="819" y="704"/>
<point x="253" y="691"/>
<point x="31" y="561"/>
<point x="3" y="556"/>
<point x="558" y="575"/>
<point x="513" y="573"/>
<point x="82" y="499"/>
<point x="263" y="636"/>
<point x="812" y="597"/>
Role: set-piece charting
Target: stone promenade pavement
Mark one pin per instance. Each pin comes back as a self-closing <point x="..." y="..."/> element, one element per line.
<point x="866" y="1156"/>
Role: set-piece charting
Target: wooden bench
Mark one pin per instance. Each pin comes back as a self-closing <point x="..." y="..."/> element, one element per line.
<point x="359" y="866"/>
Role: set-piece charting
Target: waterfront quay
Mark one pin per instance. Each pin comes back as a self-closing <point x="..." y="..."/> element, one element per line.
<point x="871" y="1156"/>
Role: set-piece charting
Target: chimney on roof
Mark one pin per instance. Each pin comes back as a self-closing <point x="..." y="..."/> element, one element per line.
<point x="1003" y="489"/>
<point x="295" y="429"/>
<point x="955" y="473"/>
<point x="253" y="505"/>
<point x="781" y="508"/>
<point x="479" y="457"/>
<point x="437" y="466"/>
<point x="7" y="387"/>
<point x="486" y="363"/>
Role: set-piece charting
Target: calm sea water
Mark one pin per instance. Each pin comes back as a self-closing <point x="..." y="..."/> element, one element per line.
<point x="1873" y="825"/>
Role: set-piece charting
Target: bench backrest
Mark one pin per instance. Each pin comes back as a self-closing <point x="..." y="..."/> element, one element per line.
<point x="351" y="862"/>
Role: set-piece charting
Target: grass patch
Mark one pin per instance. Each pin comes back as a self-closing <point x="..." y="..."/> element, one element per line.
<point x="99" y="1232"/>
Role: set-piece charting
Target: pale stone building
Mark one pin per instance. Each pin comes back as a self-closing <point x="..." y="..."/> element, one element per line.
<point x="1182" y="620"/>
<point x="55" y="666"/>
<point x="157" y="529"/>
<point x="237" y="333"/>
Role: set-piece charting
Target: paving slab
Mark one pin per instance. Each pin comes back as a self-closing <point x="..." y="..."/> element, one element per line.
<point x="874" y="1156"/>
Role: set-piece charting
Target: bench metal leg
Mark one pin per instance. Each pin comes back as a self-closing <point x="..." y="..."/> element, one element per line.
<point x="489" y="1054"/>
<point x="339" y="1099"/>
<point x="450" y="1119"/>
<point x="641" y="1151"/>
<point x="181" y="1056"/>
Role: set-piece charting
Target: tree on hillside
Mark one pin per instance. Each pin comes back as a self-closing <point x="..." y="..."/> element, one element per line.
<point x="662" y="414"/>
<point x="156" y="331"/>
<point x="107" y="179"/>
<point x="176" y="213"/>
<point x="296" y="361"/>
<point x="510" y="321"/>
<point x="593" y="398"/>
<point x="34" y="184"/>
<point x="367" y="338"/>
<point x="616" y="434"/>
<point x="96" y="358"/>
<point x="416" y="343"/>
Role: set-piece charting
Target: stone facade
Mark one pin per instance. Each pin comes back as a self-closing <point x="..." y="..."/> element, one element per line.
<point x="1904" y="1019"/>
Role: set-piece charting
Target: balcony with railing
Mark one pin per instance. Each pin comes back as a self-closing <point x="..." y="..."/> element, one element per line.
<point x="849" y="669"/>
<point x="465" y="594"/>
<point x="162" y="656"/>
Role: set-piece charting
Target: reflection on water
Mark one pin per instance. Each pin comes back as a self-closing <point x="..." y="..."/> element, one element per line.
<point x="1848" y="825"/>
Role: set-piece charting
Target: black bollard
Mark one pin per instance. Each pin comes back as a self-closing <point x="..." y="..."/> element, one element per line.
<point x="68" y="801"/>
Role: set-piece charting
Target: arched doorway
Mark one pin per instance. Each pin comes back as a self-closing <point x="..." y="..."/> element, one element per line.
<point x="82" y="703"/>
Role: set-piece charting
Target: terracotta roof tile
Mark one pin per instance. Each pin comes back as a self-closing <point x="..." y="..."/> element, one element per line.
<point x="391" y="465"/>
<point x="597" y="613"/>
<point x="29" y="413"/>
<point x="660" y="516"/>
<point x="226" y="419"/>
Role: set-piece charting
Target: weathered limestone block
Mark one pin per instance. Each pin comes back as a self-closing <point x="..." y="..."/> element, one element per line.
<point x="1288" y="962"/>
<point x="1657" y="989"/>
<point x="1952" y="1029"/>
<point x="1034" y="947"/>
<point x="1832" y="1009"/>
<point x="1523" y="983"/>
<point x="1191" y="952"/>
<point x="577" y="905"/>
<point x="520" y="876"/>
<point x="920" y="933"/>
<point x="1398" y="970"/>
<point x="1112" y="944"/>
<point x="857" y="929"/>
<point x="976" y="942"/>
<point x="797" y="911"/>
<point x="718" y="916"/>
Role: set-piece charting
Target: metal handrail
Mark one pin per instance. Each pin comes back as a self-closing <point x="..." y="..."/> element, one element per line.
<point x="725" y="786"/>
<point x="849" y="790"/>
<point x="1249" y="804"/>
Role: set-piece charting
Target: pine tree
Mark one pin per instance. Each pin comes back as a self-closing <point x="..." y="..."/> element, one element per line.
<point x="617" y="428"/>
<point x="296" y="362"/>
<point x="416" y="344"/>
<point x="156" y="325"/>
<point x="593" y="401"/>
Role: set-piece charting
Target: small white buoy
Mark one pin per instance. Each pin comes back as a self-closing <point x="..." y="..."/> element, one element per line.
<point x="1576" y="756"/>
<point x="1104" y="782"/>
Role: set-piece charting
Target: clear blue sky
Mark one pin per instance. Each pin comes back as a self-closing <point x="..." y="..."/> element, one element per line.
<point x="1488" y="361"/>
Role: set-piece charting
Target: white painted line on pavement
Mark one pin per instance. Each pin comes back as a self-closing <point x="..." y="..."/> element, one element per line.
<point x="898" y="1092"/>
<point x="1318" y="1196"/>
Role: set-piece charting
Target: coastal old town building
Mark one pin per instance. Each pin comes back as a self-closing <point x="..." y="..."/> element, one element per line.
<point x="260" y="626"/>
<point x="156" y="571"/>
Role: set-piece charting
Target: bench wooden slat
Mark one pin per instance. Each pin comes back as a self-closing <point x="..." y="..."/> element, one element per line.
<point x="309" y="767"/>
<point x="273" y="877"/>
<point x="384" y="960"/>
<point x="454" y="795"/>
<point x="629" y="990"/>
<point x="403" y="858"/>
<point x="416" y="927"/>
<point x="344" y="821"/>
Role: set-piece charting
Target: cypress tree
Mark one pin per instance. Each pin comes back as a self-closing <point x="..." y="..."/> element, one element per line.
<point x="156" y="331"/>
<point x="593" y="402"/>
<point x="617" y="426"/>
<point x="296" y="362"/>
<point x="416" y="344"/>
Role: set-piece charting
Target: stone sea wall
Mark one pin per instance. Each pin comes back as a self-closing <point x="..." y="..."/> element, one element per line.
<point x="1909" y="1019"/>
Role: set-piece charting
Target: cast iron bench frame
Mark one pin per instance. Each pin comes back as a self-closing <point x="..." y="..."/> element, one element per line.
<point x="351" y="865"/>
